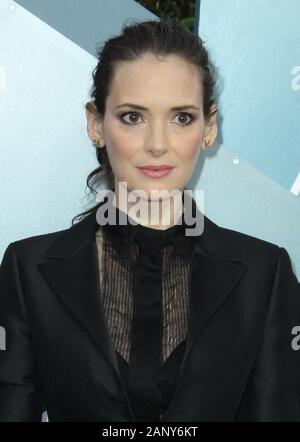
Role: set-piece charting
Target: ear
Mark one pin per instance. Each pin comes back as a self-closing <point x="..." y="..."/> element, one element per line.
<point x="94" y="125"/>
<point x="211" y="128"/>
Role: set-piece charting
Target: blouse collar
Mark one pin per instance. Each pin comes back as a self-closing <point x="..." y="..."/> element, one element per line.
<point x="123" y="233"/>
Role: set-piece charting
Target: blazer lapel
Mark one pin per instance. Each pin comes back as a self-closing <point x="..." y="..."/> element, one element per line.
<point x="70" y="267"/>
<point x="217" y="268"/>
<point x="214" y="275"/>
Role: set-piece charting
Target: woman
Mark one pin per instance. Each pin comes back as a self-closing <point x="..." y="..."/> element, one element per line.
<point x="136" y="320"/>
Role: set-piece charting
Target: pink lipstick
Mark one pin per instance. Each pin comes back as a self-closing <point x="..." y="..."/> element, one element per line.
<point x="156" y="171"/>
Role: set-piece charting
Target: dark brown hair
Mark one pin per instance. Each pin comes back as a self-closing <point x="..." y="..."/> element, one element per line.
<point x="162" y="37"/>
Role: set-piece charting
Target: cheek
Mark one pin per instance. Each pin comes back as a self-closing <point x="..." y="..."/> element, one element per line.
<point x="121" y="147"/>
<point x="189" y="148"/>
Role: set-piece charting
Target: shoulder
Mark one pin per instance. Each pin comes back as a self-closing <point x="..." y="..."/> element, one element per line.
<point x="250" y="243"/>
<point x="248" y="246"/>
<point x="33" y="247"/>
<point x="60" y="243"/>
<point x="260" y="256"/>
<point x="264" y="260"/>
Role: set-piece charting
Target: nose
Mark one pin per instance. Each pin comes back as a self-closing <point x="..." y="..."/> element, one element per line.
<point x="156" y="141"/>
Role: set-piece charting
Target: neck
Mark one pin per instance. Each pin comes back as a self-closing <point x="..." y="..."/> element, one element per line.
<point x="157" y="214"/>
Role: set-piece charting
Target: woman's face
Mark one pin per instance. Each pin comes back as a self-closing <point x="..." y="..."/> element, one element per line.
<point x="158" y="134"/>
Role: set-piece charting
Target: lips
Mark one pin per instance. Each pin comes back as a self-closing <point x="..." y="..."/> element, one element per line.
<point x="156" y="171"/>
<point x="163" y="167"/>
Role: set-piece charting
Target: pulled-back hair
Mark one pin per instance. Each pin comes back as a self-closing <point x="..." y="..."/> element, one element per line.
<point x="160" y="38"/>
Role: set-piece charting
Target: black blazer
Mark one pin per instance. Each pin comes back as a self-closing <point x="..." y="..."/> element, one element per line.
<point x="242" y="359"/>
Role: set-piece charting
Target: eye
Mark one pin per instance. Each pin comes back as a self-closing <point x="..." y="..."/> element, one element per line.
<point x="186" y="114"/>
<point x="130" y="123"/>
<point x="137" y="114"/>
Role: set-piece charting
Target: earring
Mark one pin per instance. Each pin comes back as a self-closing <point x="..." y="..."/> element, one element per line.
<point x="206" y="142"/>
<point x="97" y="143"/>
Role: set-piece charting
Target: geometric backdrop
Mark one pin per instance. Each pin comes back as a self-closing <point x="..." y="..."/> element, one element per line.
<point x="250" y="178"/>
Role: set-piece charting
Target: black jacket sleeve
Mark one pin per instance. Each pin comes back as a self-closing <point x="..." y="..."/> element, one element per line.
<point x="273" y="389"/>
<point x="21" y="396"/>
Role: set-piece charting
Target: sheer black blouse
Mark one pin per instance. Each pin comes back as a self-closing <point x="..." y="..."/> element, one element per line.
<point x="139" y="261"/>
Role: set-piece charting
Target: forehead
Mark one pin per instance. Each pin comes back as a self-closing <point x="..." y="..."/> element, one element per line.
<point x="171" y="78"/>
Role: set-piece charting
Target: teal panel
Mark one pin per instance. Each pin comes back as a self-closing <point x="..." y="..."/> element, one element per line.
<point x="240" y="197"/>
<point x="256" y="46"/>
<point x="86" y="22"/>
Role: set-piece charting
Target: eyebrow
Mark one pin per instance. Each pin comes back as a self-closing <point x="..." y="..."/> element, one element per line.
<point x="175" y="108"/>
